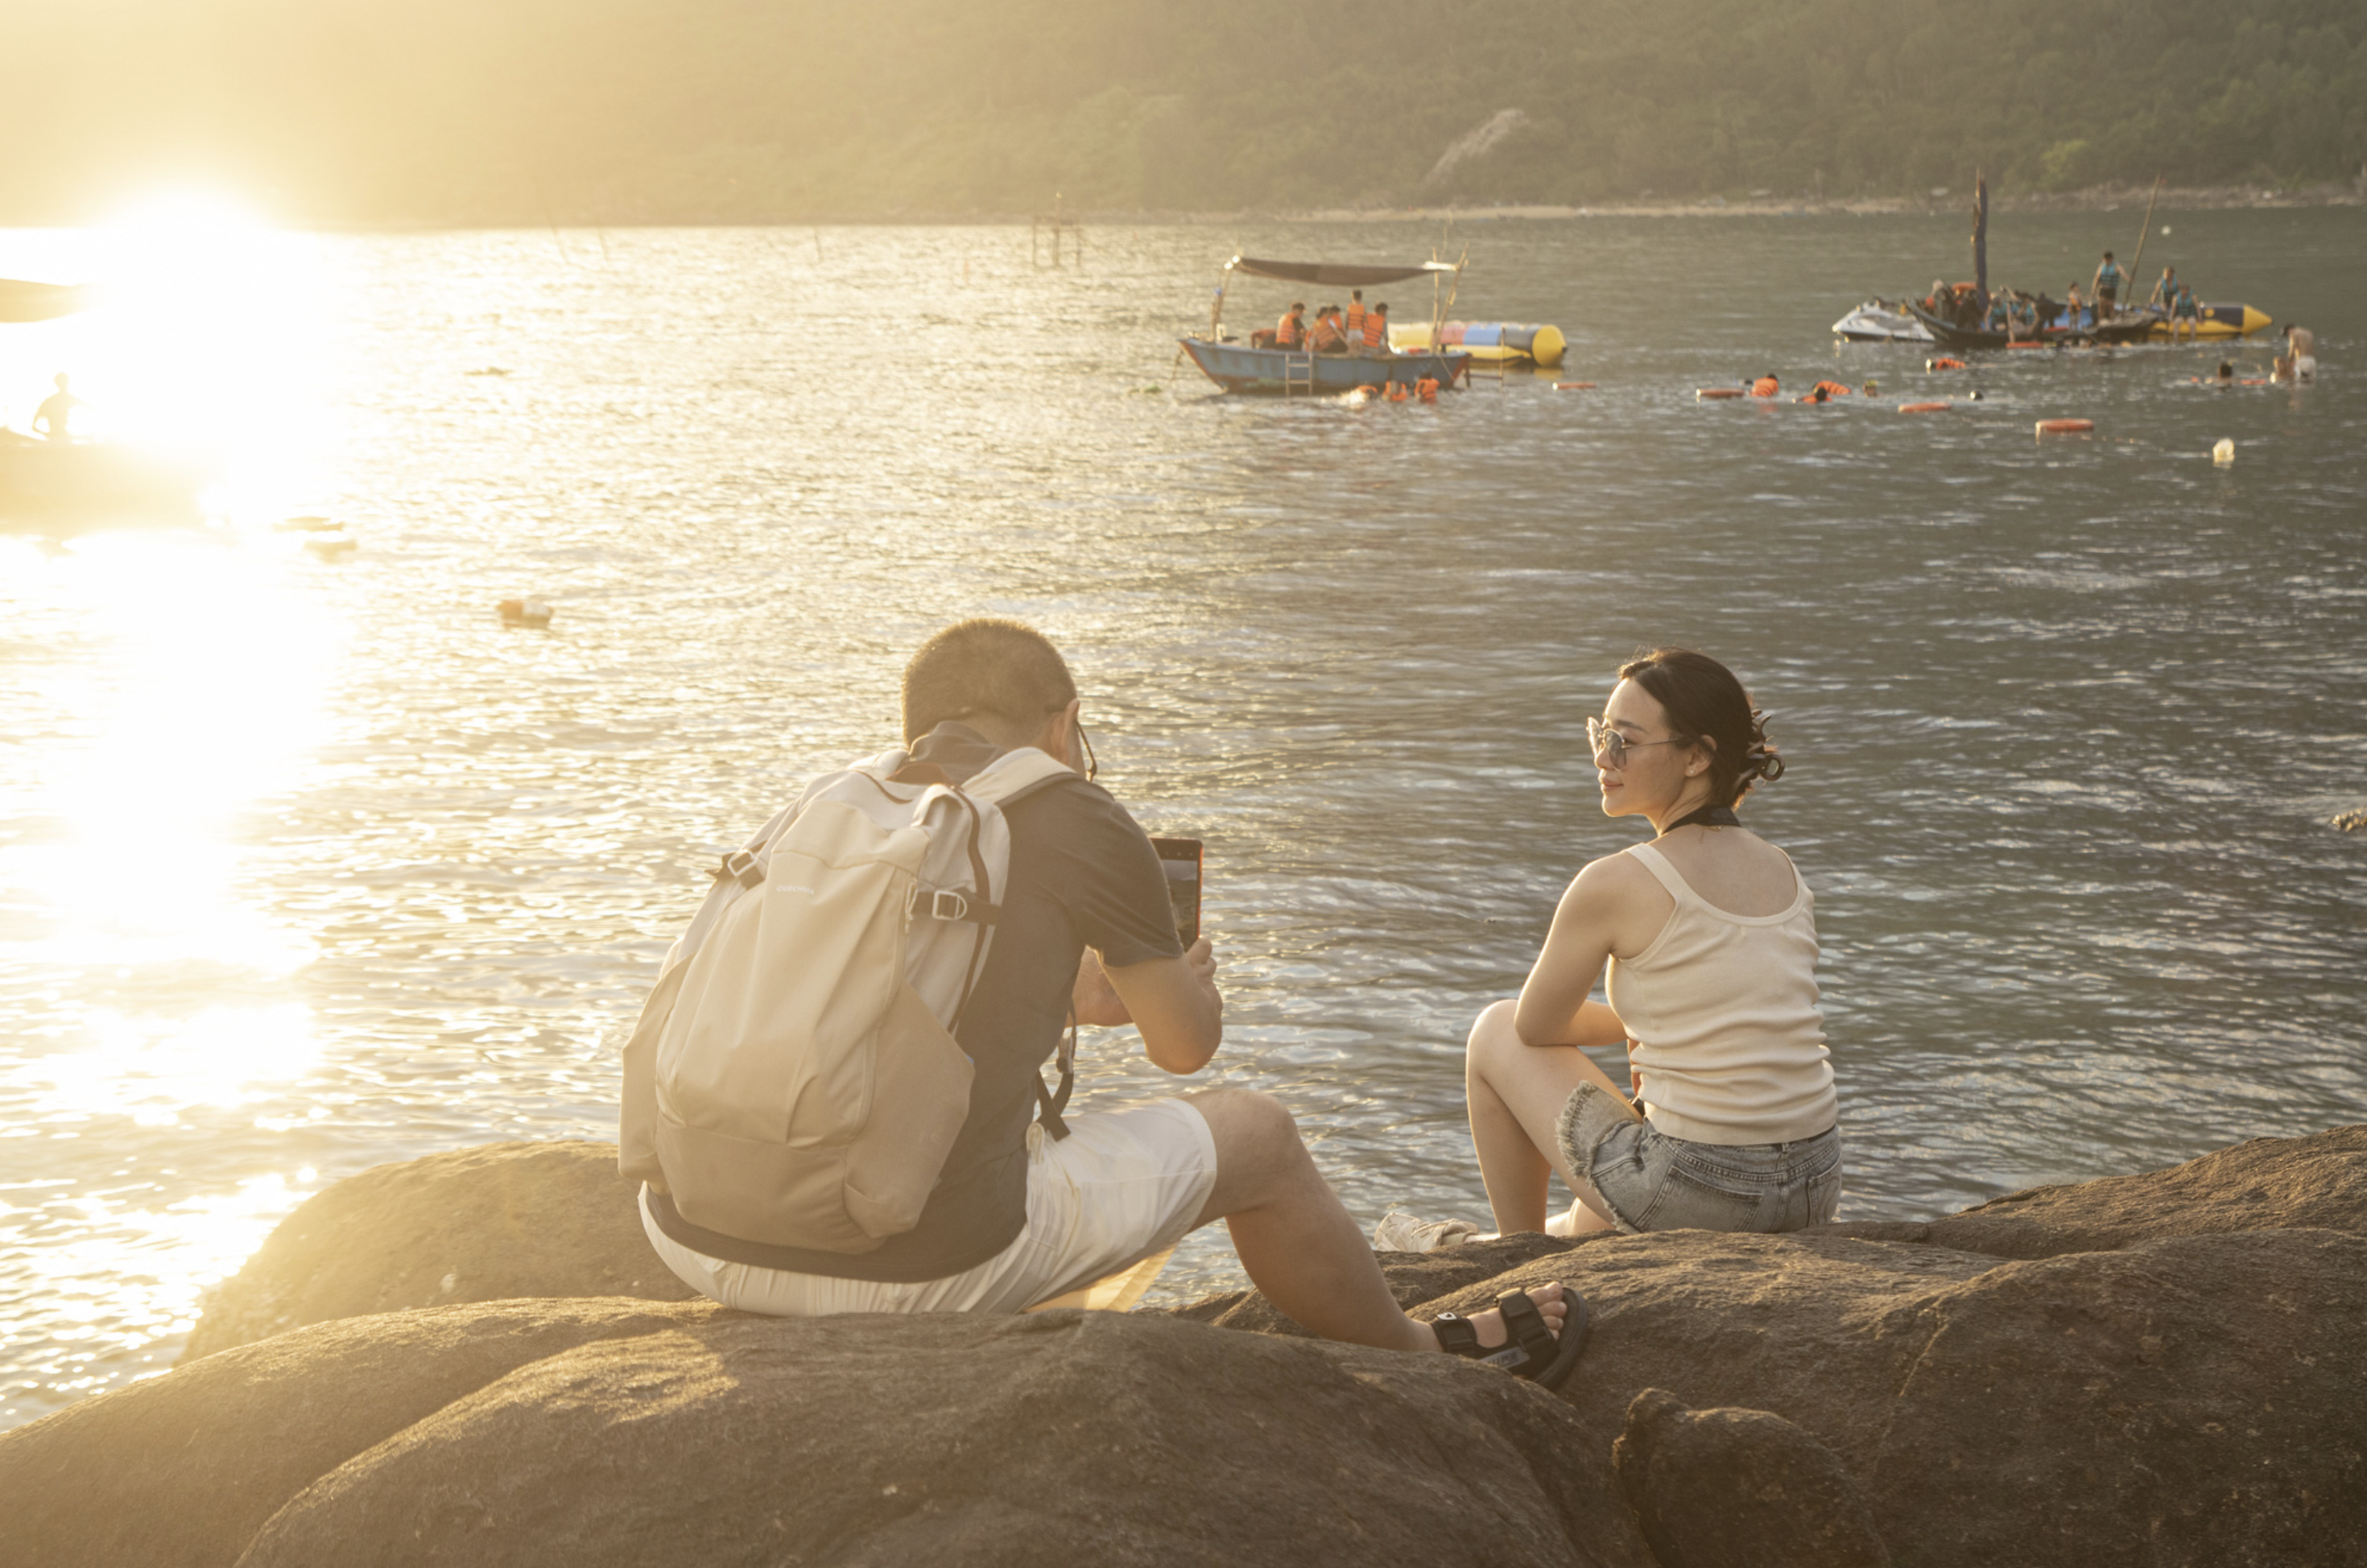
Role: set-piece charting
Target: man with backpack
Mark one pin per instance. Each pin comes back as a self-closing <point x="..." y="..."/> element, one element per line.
<point x="834" y="1096"/>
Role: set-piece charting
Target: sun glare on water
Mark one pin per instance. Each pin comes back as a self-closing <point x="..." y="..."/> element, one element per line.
<point x="162" y="689"/>
<point x="203" y="335"/>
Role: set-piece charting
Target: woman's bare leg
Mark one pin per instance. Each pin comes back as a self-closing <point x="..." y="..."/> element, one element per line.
<point x="1515" y="1092"/>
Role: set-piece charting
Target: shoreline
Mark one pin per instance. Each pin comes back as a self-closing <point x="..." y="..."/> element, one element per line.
<point x="2102" y="199"/>
<point x="1954" y="202"/>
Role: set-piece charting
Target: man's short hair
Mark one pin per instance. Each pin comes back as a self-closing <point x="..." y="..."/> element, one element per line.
<point x="1000" y="668"/>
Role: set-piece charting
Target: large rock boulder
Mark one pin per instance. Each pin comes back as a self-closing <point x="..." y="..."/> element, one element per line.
<point x="2318" y="1182"/>
<point x="1082" y="1439"/>
<point x="182" y="1470"/>
<point x="2201" y="1395"/>
<point x="493" y="1224"/>
<point x="2171" y="1364"/>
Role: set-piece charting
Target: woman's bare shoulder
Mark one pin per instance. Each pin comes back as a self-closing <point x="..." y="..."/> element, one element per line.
<point x="1612" y="872"/>
<point x="1616" y="882"/>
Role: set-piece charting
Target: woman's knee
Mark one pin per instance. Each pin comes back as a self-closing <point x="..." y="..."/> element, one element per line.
<point x="1491" y="1032"/>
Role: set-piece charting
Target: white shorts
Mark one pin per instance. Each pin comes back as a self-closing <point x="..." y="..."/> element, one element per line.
<point x="1122" y="1186"/>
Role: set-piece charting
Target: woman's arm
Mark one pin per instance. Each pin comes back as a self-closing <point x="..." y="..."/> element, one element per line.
<point x="1554" y="1009"/>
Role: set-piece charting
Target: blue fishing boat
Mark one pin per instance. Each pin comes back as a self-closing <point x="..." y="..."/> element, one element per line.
<point x="1255" y="367"/>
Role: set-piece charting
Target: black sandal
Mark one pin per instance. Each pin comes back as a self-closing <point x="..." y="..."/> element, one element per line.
<point x="1531" y="1350"/>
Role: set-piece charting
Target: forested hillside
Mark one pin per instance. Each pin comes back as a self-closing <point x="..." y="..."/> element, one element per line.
<point x="627" y="110"/>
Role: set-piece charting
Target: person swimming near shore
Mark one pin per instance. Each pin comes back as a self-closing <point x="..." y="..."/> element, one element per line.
<point x="1710" y="937"/>
<point x="2299" y="361"/>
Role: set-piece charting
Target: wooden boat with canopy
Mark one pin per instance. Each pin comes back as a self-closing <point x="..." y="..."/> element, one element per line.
<point x="1238" y="367"/>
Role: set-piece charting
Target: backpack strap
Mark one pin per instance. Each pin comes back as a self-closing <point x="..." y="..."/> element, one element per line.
<point x="1008" y="779"/>
<point x="1049" y="1104"/>
<point x="1015" y="774"/>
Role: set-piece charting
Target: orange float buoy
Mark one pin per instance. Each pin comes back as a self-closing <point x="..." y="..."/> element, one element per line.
<point x="2065" y="426"/>
<point x="2028" y="345"/>
<point x="1573" y="386"/>
<point x="1711" y="394"/>
<point x="1924" y="407"/>
<point x="1943" y="363"/>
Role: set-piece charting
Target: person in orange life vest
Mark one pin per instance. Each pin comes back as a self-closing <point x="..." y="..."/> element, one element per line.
<point x="1292" y="327"/>
<point x="1327" y="336"/>
<point x="1376" y="329"/>
<point x="1765" y="387"/>
<point x="1825" y="390"/>
<point x="1355" y="321"/>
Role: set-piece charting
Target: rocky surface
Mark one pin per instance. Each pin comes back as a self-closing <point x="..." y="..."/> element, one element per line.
<point x="2169" y="1369"/>
<point x="2317" y="1183"/>
<point x="2205" y="1396"/>
<point x="184" y="1469"/>
<point x="1413" y="1277"/>
<point x="485" y="1225"/>
<point x="1740" y="1489"/>
<point x="629" y="1433"/>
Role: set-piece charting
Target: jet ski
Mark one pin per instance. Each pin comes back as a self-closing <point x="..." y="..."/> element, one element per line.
<point x="1877" y="320"/>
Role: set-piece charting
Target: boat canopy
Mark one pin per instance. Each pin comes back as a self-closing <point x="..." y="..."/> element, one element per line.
<point x="37" y="301"/>
<point x="1331" y="276"/>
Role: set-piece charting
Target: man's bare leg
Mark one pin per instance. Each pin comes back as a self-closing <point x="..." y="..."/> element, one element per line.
<point x="1515" y="1092"/>
<point x="1298" y="1244"/>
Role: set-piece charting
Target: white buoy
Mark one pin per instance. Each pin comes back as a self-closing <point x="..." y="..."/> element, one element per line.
<point x="2225" y="453"/>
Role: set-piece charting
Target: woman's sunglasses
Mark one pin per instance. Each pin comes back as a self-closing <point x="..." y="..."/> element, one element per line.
<point x="1612" y="746"/>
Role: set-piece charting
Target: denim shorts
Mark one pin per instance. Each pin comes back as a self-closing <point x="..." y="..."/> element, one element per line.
<point x="1651" y="1181"/>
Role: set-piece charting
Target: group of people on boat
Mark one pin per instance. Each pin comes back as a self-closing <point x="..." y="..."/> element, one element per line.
<point x="2025" y="317"/>
<point x="1335" y="329"/>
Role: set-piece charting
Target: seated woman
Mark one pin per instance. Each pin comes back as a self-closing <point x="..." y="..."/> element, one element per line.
<point x="1712" y="946"/>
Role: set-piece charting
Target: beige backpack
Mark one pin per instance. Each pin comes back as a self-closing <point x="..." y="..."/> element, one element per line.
<point x="794" y="1078"/>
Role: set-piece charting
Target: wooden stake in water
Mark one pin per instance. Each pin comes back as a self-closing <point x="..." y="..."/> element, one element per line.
<point x="2137" y="260"/>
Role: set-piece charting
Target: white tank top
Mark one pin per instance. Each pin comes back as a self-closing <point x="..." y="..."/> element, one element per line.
<point x="1722" y="1011"/>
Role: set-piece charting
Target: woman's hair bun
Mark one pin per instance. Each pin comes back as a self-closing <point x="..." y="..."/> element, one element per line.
<point x="1704" y="703"/>
<point x="1763" y="760"/>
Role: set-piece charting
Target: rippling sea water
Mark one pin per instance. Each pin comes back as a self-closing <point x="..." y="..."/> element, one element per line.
<point x="307" y="866"/>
